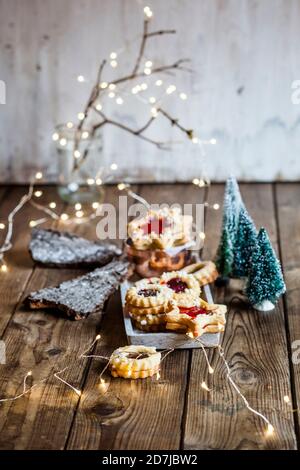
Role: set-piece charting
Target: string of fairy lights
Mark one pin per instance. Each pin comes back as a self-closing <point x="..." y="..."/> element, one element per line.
<point x="151" y="91"/>
<point x="80" y="215"/>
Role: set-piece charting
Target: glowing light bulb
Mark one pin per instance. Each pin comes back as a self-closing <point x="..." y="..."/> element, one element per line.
<point x="195" y="140"/>
<point x="90" y="181"/>
<point x="148" y="64"/>
<point x="113" y="166"/>
<point x="102" y="381"/>
<point x="111" y="94"/>
<point x="70" y="125"/>
<point x="98" y="337"/>
<point x="143" y="86"/>
<point x="79" y="214"/>
<point x="80" y="116"/>
<point x="196" y="181"/>
<point x="98" y="107"/>
<point x="77" y="391"/>
<point x="113" y="64"/>
<point x="80" y="78"/>
<point x="52" y="205"/>
<point x="210" y="370"/>
<point x="77" y="206"/>
<point x="205" y="387"/>
<point x="113" y="55"/>
<point x="32" y="223"/>
<point x="103" y="85"/>
<point x="77" y="154"/>
<point x="63" y="142"/>
<point x="85" y="134"/>
<point x="286" y="398"/>
<point x="29" y="373"/>
<point x="119" y="100"/>
<point x="95" y="205"/>
<point x="170" y="89"/>
<point x="269" y="430"/>
<point x="4" y="268"/>
<point x="38" y="193"/>
<point x="152" y="100"/>
<point x="98" y="181"/>
<point x="202" y="235"/>
<point x="158" y="82"/>
<point x="201" y="183"/>
<point x="216" y="206"/>
<point x="121" y="186"/>
<point x="147" y="71"/>
<point x="157" y="376"/>
<point x="148" y="12"/>
<point x="64" y="216"/>
<point x="183" y="96"/>
<point x="2" y="226"/>
<point x="154" y="112"/>
<point x="134" y="90"/>
<point x="112" y="86"/>
<point x="213" y="141"/>
<point x="39" y="175"/>
<point x="55" y="136"/>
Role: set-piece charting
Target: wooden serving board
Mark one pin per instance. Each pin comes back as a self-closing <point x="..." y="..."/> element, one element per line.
<point x="166" y="340"/>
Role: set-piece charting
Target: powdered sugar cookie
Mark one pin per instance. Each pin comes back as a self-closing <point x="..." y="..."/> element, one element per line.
<point x="150" y="296"/>
<point x="134" y="362"/>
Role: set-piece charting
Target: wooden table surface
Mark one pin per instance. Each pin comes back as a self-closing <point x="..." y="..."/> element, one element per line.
<point x="172" y="412"/>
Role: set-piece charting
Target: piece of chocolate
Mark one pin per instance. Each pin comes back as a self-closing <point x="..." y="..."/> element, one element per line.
<point x="83" y="295"/>
<point x="66" y="250"/>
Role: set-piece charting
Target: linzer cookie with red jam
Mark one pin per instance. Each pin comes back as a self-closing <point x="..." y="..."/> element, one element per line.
<point x="197" y="319"/>
<point x="66" y="250"/>
<point x="160" y="229"/>
<point x="134" y="362"/>
<point x="83" y="295"/>
<point x="184" y="287"/>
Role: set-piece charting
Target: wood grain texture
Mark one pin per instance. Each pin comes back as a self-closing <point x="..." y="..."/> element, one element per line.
<point x="134" y="414"/>
<point x="238" y="49"/>
<point x="288" y="200"/>
<point x="173" y="412"/>
<point x="256" y="350"/>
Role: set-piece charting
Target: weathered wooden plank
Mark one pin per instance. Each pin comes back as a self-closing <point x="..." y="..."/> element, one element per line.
<point x="18" y="260"/>
<point x="288" y="200"/>
<point x="134" y="414"/>
<point x="43" y="342"/>
<point x="255" y="347"/>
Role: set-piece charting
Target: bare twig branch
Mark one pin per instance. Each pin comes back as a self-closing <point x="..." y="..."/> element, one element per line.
<point x="175" y="122"/>
<point x="142" y="48"/>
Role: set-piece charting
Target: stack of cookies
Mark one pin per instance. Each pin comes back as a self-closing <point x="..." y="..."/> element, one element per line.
<point x="172" y="302"/>
<point x="134" y="362"/>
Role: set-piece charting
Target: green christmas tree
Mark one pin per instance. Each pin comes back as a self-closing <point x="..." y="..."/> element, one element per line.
<point x="231" y="211"/>
<point x="244" y="244"/>
<point x="265" y="282"/>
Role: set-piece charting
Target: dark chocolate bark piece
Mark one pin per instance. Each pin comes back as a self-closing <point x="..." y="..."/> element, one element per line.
<point x="83" y="295"/>
<point x="62" y="249"/>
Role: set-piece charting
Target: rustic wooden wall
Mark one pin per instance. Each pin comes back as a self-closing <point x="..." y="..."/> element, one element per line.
<point x="245" y="55"/>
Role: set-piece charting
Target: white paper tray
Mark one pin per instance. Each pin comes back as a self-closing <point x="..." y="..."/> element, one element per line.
<point x="166" y="340"/>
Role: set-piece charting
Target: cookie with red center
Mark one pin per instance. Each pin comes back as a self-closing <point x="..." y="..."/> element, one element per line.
<point x="184" y="287"/>
<point x="197" y="319"/>
<point x="159" y="229"/>
<point x="145" y="297"/>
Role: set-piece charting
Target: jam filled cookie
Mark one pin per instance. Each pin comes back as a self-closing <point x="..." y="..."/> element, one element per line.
<point x="134" y="362"/>
<point x="184" y="287"/>
<point x="150" y="296"/>
<point x="196" y="320"/>
<point x="159" y="229"/>
<point x="205" y="272"/>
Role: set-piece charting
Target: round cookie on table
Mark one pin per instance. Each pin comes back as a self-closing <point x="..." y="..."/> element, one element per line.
<point x="134" y="362"/>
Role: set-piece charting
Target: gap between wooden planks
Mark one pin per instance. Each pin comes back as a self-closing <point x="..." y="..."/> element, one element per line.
<point x="256" y="349"/>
